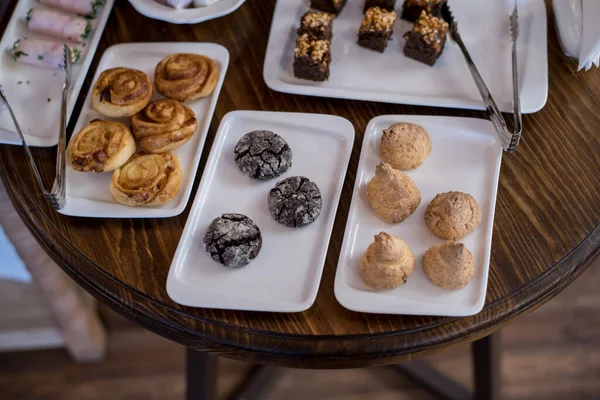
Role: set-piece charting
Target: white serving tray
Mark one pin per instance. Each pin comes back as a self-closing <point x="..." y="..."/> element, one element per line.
<point x="286" y="274"/>
<point x="155" y="10"/>
<point x="88" y="194"/>
<point x="465" y="156"/>
<point x="362" y="74"/>
<point x="39" y="119"/>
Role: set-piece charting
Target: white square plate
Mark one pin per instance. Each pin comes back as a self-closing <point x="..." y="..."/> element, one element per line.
<point x="88" y="194"/>
<point x="362" y="74"/>
<point x="286" y="274"/>
<point x="39" y="118"/>
<point x="465" y="156"/>
<point x="155" y="10"/>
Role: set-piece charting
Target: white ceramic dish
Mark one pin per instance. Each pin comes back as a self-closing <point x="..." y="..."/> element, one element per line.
<point x="88" y="194"/>
<point x="465" y="156"/>
<point x="38" y="117"/>
<point x="362" y="74"/>
<point x="155" y="10"/>
<point x="286" y="274"/>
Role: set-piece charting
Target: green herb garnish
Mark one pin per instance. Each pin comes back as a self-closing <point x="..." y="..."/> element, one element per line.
<point x="87" y="31"/>
<point x="40" y="57"/>
<point x="18" y="83"/>
<point x="28" y="17"/>
<point x="27" y="82"/>
<point x="96" y="6"/>
<point x="48" y="99"/>
<point x="17" y="54"/>
<point x="75" y="55"/>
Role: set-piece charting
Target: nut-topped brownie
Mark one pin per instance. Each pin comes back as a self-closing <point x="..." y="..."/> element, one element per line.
<point x="412" y="8"/>
<point x="425" y="42"/>
<point x="317" y="24"/>
<point x="330" y="6"/>
<point x="376" y="28"/>
<point x="385" y="4"/>
<point x="311" y="58"/>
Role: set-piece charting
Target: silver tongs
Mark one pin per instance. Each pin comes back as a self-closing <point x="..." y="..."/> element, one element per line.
<point x="510" y="141"/>
<point x="56" y="196"/>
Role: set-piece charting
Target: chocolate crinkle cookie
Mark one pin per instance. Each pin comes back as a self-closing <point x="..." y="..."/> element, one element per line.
<point x="295" y="202"/>
<point x="233" y="240"/>
<point x="263" y="155"/>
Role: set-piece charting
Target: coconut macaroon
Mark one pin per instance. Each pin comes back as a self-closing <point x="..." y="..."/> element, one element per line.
<point x="387" y="263"/>
<point x="405" y="146"/>
<point x="449" y="265"/>
<point x="453" y="215"/>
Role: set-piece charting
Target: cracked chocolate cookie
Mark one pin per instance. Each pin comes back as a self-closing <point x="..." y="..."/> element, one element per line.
<point x="233" y="240"/>
<point x="295" y="202"/>
<point x="263" y="155"/>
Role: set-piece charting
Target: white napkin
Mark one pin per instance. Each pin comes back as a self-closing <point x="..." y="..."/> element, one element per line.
<point x="589" y="52"/>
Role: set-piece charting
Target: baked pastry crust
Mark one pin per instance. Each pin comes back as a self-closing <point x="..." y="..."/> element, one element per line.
<point x="449" y="265"/>
<point x="163" y="126"/>
<point x="101" y="146"/>
<point x="392" y="194"/>
<point x="147" y="180"/>
<point x="405" y="146"/>
<point x="121" y="92"/>
<point x="453" y="215"/>
<point x="185" y="76"/>
<point x="387" y="263"/>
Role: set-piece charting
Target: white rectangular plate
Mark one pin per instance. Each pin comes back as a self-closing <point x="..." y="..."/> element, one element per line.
<point x="465" y="157"/>
<point x="362" y="74"/>
<point x="38" y="117"/>
<point x="155" y="10"/>
<point x="286" y="274"/>
<point x="88" y="194"/>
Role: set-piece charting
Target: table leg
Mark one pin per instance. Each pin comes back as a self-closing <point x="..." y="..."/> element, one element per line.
<point x="201" y="375"/>
<point x="487" y="367"/>
<point x="420" y="373"/>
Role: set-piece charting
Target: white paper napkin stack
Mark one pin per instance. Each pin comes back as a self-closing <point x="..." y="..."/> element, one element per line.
<point x="579" y="30"/>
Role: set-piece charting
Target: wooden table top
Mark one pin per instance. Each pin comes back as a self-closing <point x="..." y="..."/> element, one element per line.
<point x="545" y="232"/>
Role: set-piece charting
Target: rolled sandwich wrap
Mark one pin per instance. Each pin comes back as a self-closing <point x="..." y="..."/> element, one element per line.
<point x="43" y="53"/>
<point x="59" y="25"/>
<point x="82" y="7"/>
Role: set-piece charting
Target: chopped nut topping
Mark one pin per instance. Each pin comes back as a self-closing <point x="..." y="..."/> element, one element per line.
<point x="378" y="19"/>
<point x="316" y="49"/>
<point x="433" y="29"/>
<point x="319" y="20"/>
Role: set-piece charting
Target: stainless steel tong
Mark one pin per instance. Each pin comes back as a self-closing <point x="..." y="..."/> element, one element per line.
<point x="510" y="140"/>
<point x="55" y="196"/>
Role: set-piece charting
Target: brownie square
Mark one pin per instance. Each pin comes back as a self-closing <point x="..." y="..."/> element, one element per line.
<point x="412" y="8"/>
<point x="317" y="24"/>
<point x="425" y="42"/>
<point x="330" y="6"/>
<point x="385" y="4"/>
<point x="376" y="29"/>
<point x="311" y="58"/>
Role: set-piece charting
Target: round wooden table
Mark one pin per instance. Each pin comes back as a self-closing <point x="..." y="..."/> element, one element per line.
<point x="545" y="233"/>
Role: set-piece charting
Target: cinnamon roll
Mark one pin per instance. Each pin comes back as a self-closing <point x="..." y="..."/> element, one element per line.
<point x="147" y="180"/>
<point x="101" y="146"/>
<point x="163" y="126"/>
<point x="186" y="76"/>
<point x="121" y="92"/>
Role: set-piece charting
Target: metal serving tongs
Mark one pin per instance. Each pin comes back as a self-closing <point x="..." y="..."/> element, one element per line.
<point x="56" y="196"/>
<point x="509" y="140"/>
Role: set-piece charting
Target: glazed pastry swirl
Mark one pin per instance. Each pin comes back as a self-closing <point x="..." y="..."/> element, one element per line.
<point x="121" y="92"/>
<point x="101" y="146"/>
<point x="163" y="126"/>
<point x="186" y="76"/>
<point x="147" y="179"/>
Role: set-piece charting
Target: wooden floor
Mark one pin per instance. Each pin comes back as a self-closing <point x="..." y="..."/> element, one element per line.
<point x="553" y="353"/>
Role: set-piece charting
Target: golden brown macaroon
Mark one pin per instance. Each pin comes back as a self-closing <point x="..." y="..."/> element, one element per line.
<point x="147" y="180"/>
<point x="101" y="146"/>
<point x="163" y="126"/>
<point x="186" y="77"/>
<point x="387" y="263"/>
<point x="449" y="265"/>
<point x="405" y="145"/>
<point x="121" y="92"/>
<point x="453" y="215"/>
<point x="392" y="194"/>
